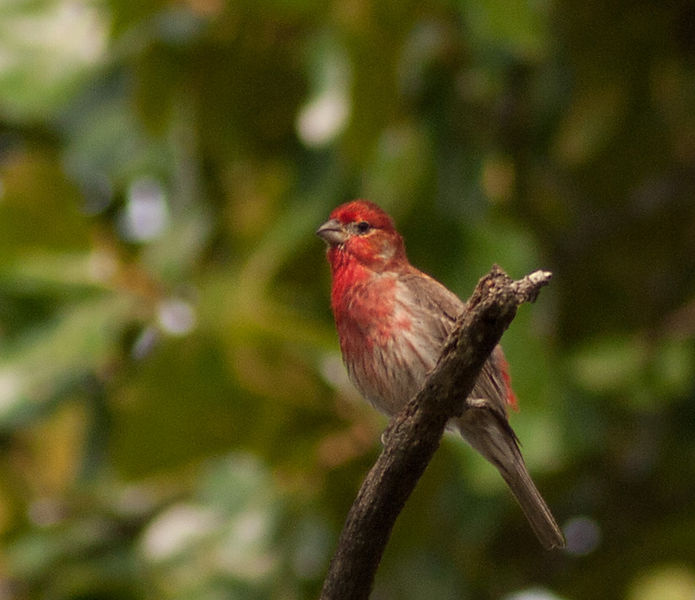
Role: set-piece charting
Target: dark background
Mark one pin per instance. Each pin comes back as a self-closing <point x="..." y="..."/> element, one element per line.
<point x="175" y="421"/>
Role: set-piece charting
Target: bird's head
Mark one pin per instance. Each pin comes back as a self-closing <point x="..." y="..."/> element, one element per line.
<point x="361" y="231"/>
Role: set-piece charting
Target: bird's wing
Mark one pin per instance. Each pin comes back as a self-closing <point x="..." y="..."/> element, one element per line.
<point x="437" y="306"/>
<point x="437" y="311"/>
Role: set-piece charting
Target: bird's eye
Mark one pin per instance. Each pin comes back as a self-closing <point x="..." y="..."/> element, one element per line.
<point x="363" y="227"/>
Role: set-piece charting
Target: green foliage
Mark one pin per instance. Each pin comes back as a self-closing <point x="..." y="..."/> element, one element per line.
<point x="174" y="417"/>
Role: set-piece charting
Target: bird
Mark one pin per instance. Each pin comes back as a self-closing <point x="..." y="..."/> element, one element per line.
<point x="393" y="320"/>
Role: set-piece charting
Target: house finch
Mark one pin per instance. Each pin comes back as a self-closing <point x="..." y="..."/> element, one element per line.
<point x="393" y="320"/>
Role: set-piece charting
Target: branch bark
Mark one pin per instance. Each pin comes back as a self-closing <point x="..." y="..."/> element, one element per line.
<point x="414" y="435"/>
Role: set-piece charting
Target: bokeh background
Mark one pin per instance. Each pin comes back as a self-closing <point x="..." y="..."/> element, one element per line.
<point x="175" y="421"/>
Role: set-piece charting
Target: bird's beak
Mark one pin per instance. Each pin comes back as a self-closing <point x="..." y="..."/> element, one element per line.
<point x="332" y="232"/>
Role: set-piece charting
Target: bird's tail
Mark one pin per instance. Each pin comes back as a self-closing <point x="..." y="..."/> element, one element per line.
<point x="535" y="508"/>
<point x="491" y="435"/>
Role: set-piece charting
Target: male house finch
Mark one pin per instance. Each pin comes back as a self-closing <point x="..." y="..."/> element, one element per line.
<point x="393" y="320"/>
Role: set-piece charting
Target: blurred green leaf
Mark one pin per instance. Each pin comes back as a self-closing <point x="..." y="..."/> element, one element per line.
<point x="519" y="27"/>
<point x="57" y="356"/>
<point x="50" y="48"/>
<point x="611" y="364"/>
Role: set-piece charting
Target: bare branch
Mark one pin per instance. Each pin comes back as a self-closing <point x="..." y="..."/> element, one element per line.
<point x="414" y="435"/>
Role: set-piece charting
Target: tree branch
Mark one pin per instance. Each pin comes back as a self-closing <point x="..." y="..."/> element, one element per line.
<point x="414" y="435"/>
